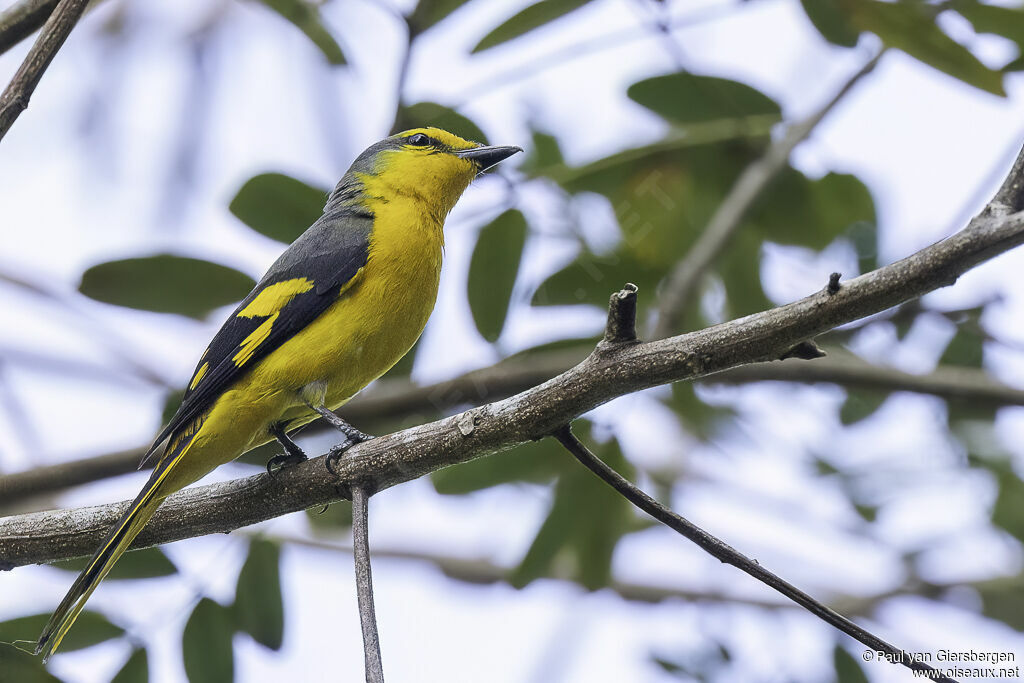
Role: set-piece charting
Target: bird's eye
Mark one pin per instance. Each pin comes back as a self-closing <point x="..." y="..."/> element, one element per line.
<point x="419" y="140"/>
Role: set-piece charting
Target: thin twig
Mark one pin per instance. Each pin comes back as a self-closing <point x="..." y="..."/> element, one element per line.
<point x="15" y="97"/>
<point x="728" y="555"/>
<point x="21" y="19"/>
<point x="482" y="571"/>
<point x="567" y="53"/>
<point x="681" y="284"/>
<point x="364" y="583"/>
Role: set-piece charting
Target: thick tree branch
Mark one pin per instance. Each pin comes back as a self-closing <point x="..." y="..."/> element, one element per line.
<point x="682" y="282"/>
<point x="55" y="31"/>
<point x="389" y="398"/>
<point x="393" y="398"/>
<point x="727" y="554"/>
<point x="532" y="414"/>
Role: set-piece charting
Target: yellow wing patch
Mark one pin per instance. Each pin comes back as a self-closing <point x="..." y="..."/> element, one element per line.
<point x="255" y="338"/>
<point x="275" y="297"/>
<point x="199" y="375"/>
<point x="268" y="303"/>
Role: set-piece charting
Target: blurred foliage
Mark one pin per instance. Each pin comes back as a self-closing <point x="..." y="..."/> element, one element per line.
<point x="427" y="114"/>
<point x="531" y="17"/>
<point x="135" y="669"/>
<point x="91" y="628"/>
<point x="278" y="206"/>
<point x="492" y="271"/>
<point x="166" y="284"/>
<point x="206" y="644"/>
<point x="306" y="17"/>
<point x="147" y="563"/>
<point x="259" y="608"/>
<point x="660" y="196"/>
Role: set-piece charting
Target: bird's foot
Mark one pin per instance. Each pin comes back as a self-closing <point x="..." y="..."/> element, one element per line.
<point x="280" y="462"/>
<point x="353" y="437"/>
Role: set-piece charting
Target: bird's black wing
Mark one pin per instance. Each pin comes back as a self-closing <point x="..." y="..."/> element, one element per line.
<point x="301" y="284"/>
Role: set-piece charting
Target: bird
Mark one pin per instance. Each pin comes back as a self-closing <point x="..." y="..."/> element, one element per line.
<point x="338" y="308"/>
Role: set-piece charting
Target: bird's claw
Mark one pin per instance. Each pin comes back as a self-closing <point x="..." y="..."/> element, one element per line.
<point x="279" y="462"/>
<point x="335" y="453"/>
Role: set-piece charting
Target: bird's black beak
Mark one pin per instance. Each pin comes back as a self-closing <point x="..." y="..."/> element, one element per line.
<point x="485" y="157"/>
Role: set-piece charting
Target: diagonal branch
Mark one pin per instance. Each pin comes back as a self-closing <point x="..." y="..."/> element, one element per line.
<point x="604" y="375"/>
<point x="21" y="19"/>
<point x="394" y="398"/>
<point x="681" y="284"/>
<point x="55" y="31"/>
<point x="727" y="554"/>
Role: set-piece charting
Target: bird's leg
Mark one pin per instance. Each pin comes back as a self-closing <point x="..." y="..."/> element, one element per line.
<point x="292" y="455"/>
<point x="352" y="435"/>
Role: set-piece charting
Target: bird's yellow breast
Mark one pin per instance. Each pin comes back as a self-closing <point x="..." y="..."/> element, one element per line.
<point x="377" y="318"/>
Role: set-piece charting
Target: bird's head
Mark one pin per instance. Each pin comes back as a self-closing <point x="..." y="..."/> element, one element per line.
<point x="426" y="164"/>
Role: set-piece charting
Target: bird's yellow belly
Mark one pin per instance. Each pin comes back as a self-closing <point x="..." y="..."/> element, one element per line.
<point x="375" y="321"/>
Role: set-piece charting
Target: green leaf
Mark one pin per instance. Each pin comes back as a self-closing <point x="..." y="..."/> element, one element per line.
<point x="425" y="114"/>
<point x="860" y="405"/>
<point x="697" y="417"/>
<point x="575" y="349"/>
<point x="830" y="20"/>
<point x="259" y="608"/>
<point x="740" y="269"/>
<point x="847" y="667"/>
<point x="492" y="271"/>
<point x="336" y="518"/>
<point x="278" y="206"/>
<point x="1003" y="599"/>
<point x="1008" y="511"/>
<point x="586" y="521"/>
<point x="166" y="284"/>
<point x="965" y="349"/>
<point x="171" y="404"/>
<point x="430" y="12"/>
<point x="137" y="564"/>
<point x="592" y="278"/>
<point x="135" y="670"/>
<point x="812" y="213"/>
<point x="543" y="154"/>
<point x="206" y="644"/>
<point x="688" y="98"/>
<point x="21" y="667"/>
<point x="90" y="628"/>
<point x="526" y="20"/>
<point x="1007" y="22"/>
<point x="863" y="235"/>
<point x="910" y="26"/>
<point x="537" y="462"/>
<point x="306" y="17"/>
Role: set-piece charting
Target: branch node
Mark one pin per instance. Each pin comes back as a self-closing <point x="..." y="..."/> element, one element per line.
<point x="621" y="327"/>
<point x="833" y="285"/>
<point x="468" y="421"/>
<point x="805" y="350"/>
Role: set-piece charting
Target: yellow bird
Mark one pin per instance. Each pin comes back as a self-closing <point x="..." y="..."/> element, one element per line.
<point x="336" y="311"/>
